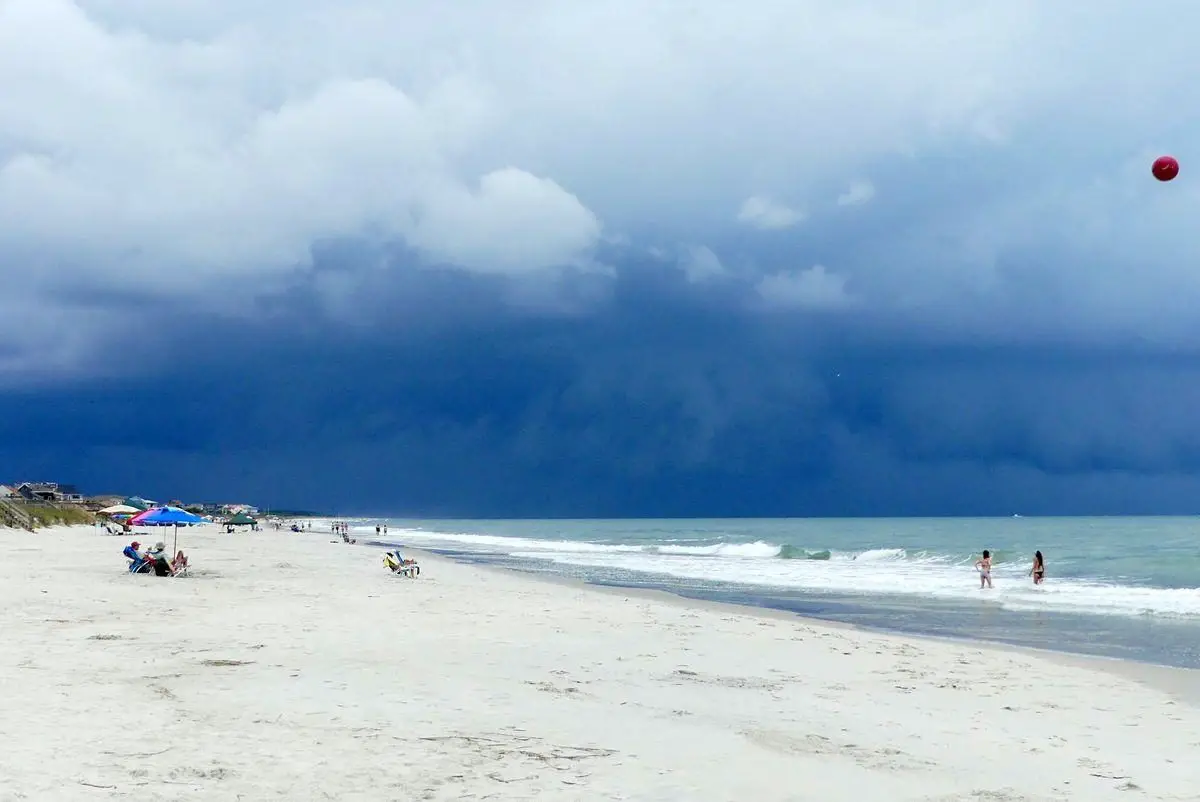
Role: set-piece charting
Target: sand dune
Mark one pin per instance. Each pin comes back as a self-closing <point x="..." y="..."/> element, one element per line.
<point x="290" y="667"/>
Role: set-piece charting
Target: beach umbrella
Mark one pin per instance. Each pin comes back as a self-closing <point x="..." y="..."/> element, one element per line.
<point x="168" y="516"/>
<point x="119" y="509"/>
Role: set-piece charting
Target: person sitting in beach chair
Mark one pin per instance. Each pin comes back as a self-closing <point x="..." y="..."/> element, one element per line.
<point x="398" y="565"/>
<point x="157" y="557"/>
<point x="179" y="565"/>
<point x="136" y="561"/>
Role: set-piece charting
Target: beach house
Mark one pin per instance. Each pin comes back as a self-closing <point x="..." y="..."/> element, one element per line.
<point x="49" y="492"/>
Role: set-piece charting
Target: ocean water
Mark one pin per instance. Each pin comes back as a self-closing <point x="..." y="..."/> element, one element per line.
<point x="1118" y="587"/>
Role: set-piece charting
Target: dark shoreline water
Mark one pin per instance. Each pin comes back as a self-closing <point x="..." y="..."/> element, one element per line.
<point x="1143" y="639"/>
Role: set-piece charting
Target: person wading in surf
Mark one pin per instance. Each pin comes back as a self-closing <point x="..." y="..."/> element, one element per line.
<point x="984" y="564"/>
<point x="1038" y="571"/>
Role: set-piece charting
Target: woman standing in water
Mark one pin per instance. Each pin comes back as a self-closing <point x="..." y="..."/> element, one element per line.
<point x="1038" y="571"/>
<point x="984" y="564"/>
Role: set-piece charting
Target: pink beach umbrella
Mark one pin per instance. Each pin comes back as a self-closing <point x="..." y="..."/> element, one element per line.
<point x="167" y="516"/>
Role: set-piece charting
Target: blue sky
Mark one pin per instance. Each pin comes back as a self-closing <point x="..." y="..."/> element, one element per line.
<point x="614" y="258"/>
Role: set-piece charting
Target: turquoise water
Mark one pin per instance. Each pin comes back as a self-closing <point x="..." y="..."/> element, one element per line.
<point x="1126" y="587"/>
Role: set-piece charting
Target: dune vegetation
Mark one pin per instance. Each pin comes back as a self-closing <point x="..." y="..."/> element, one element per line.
<point x="55" y="515"/>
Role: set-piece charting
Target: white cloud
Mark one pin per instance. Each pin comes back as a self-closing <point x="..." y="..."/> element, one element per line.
<point x="177" y="145"/>
<point x="173" y="145"/>
<point x="701" y="264"/>
<point x="157" y="164"/>
<point x="765" y="214"/>
<point x="860" y="192"/>
<point x="514" y="223"/>
<point x="813" y="289"/>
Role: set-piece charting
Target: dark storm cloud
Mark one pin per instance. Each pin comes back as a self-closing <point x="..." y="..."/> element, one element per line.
<point x="663" y="398"/>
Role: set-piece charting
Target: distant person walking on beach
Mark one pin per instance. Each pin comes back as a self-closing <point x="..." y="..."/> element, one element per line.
<point x="1038" y="571"/>
<point x="984" y="564"/>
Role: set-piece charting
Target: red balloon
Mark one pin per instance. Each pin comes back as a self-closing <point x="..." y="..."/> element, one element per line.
<point x="1165" y="168"/>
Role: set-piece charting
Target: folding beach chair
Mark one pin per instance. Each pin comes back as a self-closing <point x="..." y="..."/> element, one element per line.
<point x="400" y="566"/>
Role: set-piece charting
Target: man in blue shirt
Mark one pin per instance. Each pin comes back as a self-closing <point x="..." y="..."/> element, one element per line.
<point x="135" y="558"/>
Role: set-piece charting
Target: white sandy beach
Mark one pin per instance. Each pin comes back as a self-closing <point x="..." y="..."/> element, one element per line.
<point x="290" y="667"/>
